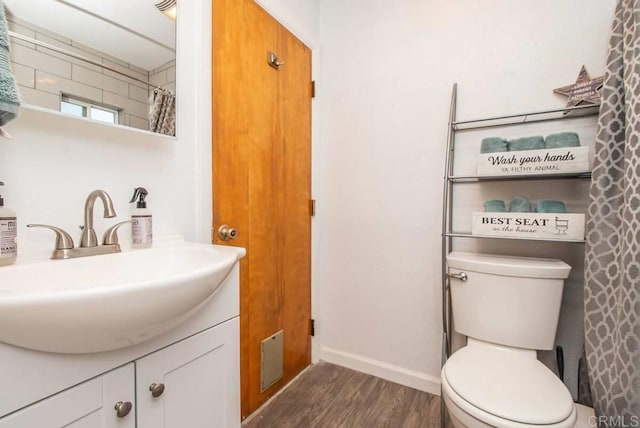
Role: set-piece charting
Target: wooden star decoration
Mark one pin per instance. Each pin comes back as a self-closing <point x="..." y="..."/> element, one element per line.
<point x="585" y="91"/>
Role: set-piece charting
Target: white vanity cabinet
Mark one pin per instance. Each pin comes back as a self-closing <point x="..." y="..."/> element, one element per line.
<point x="195" y="382"/>
<point x="88" y="405"/>
<point x="197" y="363"/>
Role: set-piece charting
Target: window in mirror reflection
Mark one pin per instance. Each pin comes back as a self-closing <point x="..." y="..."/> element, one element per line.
<point x="89" y="109"/>
<point x="73" y="109"/>
<point x="103" y="115"/>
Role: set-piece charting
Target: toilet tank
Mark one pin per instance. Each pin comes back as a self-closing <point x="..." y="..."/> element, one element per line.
<point x="512" y="301"/>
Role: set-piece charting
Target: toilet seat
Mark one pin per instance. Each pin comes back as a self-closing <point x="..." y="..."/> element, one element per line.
<point x="506" y="387"/>
<point x="472" y="417"/>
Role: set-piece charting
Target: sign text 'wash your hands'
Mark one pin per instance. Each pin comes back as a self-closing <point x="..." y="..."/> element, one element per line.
<point x="544" y="161"/>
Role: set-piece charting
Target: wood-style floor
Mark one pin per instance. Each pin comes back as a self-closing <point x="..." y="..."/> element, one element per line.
<point x="330" y="396"/>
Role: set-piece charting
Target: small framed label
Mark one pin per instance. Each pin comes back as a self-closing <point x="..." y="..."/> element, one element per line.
<point x="531" y="162"/>
<point x="559" y="226"/>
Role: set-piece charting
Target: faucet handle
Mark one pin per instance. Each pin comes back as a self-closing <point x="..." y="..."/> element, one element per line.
<point x="110" y="236"/>
<point x="64" y="241"/>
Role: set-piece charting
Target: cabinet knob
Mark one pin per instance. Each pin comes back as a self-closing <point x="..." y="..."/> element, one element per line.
<point x="156" y="389"/>
<point x="462" y="276"/>
<point x="123" y="408"/>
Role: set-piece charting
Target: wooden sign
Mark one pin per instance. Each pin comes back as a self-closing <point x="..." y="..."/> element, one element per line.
<point x="558" y="226"/>
<point x="585" y="91"/>
<point x="544" y="161"/>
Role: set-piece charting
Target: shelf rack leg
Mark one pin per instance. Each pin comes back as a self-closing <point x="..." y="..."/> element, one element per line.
<point x="446" y="242"/>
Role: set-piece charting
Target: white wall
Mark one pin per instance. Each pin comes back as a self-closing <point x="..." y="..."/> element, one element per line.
<point x="53" y="162"/>
<point x="385" y="84"/>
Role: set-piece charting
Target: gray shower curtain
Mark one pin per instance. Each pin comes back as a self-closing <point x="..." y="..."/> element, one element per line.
<point x="612" y="265"/>
<point x="162" y="112"/>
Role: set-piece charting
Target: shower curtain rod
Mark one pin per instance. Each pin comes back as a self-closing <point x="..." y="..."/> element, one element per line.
<point x="76" y="56"/>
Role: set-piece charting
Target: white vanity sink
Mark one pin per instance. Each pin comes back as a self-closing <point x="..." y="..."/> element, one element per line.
<point x="107" y="302"/>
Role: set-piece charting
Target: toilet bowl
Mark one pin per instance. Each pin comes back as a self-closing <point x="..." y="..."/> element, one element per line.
<point x="508" y="307"/>
<point x="486" y="385"/>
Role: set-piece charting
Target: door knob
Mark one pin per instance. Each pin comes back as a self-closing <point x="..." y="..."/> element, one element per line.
<point x="123" y="408"/>
<point x="226" y="232"/>
<point x="156" y="389"/>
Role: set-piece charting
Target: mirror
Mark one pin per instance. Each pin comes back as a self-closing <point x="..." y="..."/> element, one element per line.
<point x="108" y="60"/>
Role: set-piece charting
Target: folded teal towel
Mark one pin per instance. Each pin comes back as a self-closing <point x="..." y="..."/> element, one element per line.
<point x="563" y="139"/>
<point x="495" y="206"/>
<point x="9" y="98"/>
<point x="520" y="204"/>
<point x="493" y="145"/>
<point x="4" y="35"/>
<point x="548" y="206"/>
<point x="526" y="143"/>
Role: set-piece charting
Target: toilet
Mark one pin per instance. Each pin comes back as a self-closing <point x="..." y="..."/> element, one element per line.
<point x="508" y="307"/>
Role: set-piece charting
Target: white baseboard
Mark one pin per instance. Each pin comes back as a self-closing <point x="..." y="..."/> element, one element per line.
<point x="410" y="378"/>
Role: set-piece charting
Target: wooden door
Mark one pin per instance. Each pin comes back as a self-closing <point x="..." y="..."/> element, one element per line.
<point x="262" y="182"/>
<point x="196" y="382"/>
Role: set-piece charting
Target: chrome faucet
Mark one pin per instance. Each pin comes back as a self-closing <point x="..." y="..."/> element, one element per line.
<point x="89" y="238"/>
<point x="88" y="242"/>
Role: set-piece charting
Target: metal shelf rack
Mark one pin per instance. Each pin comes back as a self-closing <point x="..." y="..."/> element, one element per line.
<point x="450" y="180"/>
<point x="469" y="235"/>
<point x="476" y="178"/>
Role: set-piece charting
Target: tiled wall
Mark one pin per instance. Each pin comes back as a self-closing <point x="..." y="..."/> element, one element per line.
<point x="164" y="76"/>
<point x="44" y="74"/>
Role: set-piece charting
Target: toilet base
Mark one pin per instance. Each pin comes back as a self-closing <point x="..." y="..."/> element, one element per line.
<point x="585" y="417"/>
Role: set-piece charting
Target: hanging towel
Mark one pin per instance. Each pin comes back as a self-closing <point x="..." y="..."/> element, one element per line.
<point x="527" y="143"/>
<point x="493" y="145"/>
<point x="9" y="97"/>
<point x="520" y="204"/>
<point x="162" y="112"/>
<point x="563" y="139"/>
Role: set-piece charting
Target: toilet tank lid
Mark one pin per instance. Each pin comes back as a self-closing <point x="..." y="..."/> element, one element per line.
<point x="527" y="267"/>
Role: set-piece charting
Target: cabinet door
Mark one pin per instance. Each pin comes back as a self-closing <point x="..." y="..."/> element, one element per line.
<point x="200" y="379"/>
<point x="88" y="405"/>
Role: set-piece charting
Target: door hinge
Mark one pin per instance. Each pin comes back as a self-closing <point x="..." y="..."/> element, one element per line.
<point x="312" y="328"/>
<point x="312" y="207"/>
<point x="313" y="89"/>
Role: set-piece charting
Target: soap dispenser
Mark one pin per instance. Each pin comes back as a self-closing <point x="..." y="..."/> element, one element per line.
<point x="141" y="225"/>
<point x="8" y="234"/>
